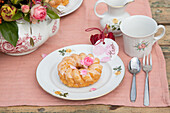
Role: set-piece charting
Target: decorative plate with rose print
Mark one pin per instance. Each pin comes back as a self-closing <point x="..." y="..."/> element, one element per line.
<point x="47" y="75"/>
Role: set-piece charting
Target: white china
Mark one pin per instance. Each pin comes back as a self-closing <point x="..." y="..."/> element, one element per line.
<point x="72" y="6"/>
<point x="115" y="14"/>
<point x="40" y="33"/>
<point x="48" y="78"/>
<point x="138" y="35"/>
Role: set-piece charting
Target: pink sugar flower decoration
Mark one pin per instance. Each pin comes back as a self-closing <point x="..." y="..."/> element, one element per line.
<point x="83" y="72"/>
<point x="87" y="61"/>
<point x="43" y="55"/>
<point x="92" y="89"/>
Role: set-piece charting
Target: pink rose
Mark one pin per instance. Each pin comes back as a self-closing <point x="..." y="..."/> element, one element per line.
<point x="38" y="12"/>
<point x="87" y="61"/>
<point x="25" y="8"/>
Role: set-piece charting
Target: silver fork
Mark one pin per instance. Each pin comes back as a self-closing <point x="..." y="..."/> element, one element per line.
<point x="147" y="67"/>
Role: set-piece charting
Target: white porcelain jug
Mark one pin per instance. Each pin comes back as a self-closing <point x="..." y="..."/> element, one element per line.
<point x="115" y="14"/>
<point x="40" y="33"/>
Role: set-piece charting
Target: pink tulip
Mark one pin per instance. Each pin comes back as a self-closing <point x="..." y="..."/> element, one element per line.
<point x="25" y="8"/>
<point x="38" y="12"/>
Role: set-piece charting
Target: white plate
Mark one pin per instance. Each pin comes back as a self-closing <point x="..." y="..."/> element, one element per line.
<point x="71" y="7"/>
<point x="48" y="79"/>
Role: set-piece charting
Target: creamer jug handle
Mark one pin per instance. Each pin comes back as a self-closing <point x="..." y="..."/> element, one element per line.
<point x="99" y="1"/>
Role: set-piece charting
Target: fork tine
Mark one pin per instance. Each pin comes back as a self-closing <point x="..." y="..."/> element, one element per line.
<point x="144" y="60"/>
<point x="147" y="63"/>
<point x="151" y="59"/>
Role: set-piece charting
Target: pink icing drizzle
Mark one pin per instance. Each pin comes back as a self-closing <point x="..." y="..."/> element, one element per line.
<point x="73" y="67"/>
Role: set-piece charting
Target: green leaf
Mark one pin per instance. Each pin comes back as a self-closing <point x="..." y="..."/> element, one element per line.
<point x="18" y="15"/>
<point x="27" y="17"/>
<point x="52" y="14"/>
<point x="119" y="67"/>
<point x="65" y="94"/>
<point x="9" y="31"/>
<point x="31" y="42"/>
<point x="114" y="68"/>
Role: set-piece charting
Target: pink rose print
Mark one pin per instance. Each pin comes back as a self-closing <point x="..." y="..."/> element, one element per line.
<point x="142" y="45"/>
<point x="87" y="61"/>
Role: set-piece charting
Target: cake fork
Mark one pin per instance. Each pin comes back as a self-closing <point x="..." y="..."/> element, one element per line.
<point x="147" y="67"/>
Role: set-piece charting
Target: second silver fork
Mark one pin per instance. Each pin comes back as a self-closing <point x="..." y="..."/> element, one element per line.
<point x="147" y="67"/>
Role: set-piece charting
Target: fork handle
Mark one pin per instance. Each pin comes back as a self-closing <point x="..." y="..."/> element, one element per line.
<point x="146" y="93"/>
<point x="133" y="89"/>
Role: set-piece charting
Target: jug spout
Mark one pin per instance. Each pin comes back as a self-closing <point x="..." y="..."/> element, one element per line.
<point x="128" y="1"/>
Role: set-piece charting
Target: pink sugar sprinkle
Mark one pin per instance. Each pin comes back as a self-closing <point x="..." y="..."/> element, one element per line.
<point x="92" y="89"/>
<point x="43" y="55"/>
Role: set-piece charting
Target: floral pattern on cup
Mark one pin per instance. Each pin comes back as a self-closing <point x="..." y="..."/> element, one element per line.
<point x="142" y="45"/>
<point x="117" y="70"/>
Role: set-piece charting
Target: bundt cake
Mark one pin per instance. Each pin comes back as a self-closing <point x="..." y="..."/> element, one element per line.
<point x="79" y="70"/>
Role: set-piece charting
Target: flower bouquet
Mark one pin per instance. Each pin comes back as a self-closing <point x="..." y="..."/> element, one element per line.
<point x="32" y="11"/>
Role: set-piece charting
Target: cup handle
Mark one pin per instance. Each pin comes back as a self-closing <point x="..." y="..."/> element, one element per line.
<point x="99" y="1"/>
<point x="161" y="35"/>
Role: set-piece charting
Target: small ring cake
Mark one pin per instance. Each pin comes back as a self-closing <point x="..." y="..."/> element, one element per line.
<point x="79" y="70"/>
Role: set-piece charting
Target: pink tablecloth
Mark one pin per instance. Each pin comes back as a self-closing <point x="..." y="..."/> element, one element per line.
<point x="18" y="85"/>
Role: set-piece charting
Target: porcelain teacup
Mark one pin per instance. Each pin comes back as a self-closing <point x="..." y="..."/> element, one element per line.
<point x="138" y="35"/>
